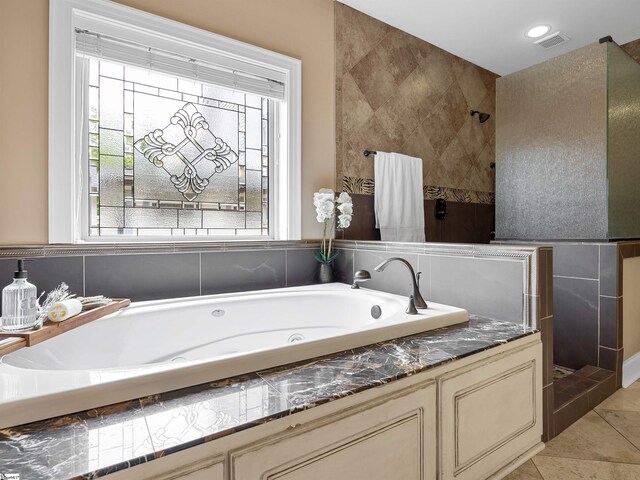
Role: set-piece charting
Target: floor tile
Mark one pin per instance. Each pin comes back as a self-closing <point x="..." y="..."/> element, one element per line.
<point x="624" y="399"/>
<point x="627" y="423"/>
<point x="591" y="438"/>
<point x="553" y="468"/>
<point x="526" y="471"/>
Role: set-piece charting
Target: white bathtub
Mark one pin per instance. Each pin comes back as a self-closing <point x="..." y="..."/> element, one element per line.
<point x="157" y="346"/>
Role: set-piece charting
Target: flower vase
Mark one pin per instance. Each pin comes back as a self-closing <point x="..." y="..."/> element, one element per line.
<point x="326" y="273"/>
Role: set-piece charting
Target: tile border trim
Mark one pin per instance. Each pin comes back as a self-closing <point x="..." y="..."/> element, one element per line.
<point x="366" y="186"/>
<point x="53" y="250"/>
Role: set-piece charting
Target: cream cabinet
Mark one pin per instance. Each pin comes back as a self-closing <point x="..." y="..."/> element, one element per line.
<point x="490" y="413"/>
<point x="472" y="419"/>
<point x="383" y="440"/>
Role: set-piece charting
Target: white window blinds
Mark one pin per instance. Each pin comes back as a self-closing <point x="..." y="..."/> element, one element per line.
<point x="270" y="84"/>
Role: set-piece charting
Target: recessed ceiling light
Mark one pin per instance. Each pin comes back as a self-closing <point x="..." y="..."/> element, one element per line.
<point x="538" y="31"/>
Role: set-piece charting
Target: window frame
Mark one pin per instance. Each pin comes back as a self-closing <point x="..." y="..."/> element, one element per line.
<point x="66" y="202"/>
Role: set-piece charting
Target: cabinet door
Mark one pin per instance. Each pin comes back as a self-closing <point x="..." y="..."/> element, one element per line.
<point x="490" y="414"/>
<point x="391" y="439"/>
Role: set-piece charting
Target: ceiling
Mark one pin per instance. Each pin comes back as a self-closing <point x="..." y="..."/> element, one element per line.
<point x="490" y="33"/>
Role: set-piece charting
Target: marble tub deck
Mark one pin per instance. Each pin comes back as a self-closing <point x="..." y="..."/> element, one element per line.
<point x="103" y="440"/>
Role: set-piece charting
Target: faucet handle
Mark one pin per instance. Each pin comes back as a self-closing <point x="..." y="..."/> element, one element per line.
<point x="418" y="275"/>
<point x="360" y="276"/>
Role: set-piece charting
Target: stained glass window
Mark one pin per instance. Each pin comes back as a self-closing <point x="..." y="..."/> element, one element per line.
<point x="174" y="157"/>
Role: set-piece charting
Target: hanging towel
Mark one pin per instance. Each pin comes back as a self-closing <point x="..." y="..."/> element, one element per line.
<point x="398" y="200"/>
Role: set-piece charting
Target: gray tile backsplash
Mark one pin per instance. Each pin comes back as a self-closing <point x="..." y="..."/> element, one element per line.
<point x="343" y="266"/>
<point x="483" y="286"/>
<point x="302" y="268"/>
<point x="166" y="275"/>
<point x="47" y="273"/>
<point x="143" y="277"/>
<point x="224" y="272"/>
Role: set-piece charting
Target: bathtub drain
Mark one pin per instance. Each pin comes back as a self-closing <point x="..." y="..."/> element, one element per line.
<point x="376" y="311"/>
<point x="296" y="337"/>
<point x="218" y="313"/>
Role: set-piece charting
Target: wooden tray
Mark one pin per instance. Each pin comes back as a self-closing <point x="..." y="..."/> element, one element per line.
<point x="53" y="329"/>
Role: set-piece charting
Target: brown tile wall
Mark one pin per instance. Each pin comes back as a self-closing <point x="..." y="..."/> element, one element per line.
<point x="633" y="49"/>
<point x="463" y="223"/>
<point x="395" y="92"/>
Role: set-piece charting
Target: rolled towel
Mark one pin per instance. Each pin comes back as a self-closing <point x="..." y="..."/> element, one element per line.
<point x="65" y="309"/>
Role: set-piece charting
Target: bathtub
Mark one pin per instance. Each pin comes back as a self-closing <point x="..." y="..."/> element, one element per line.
<point x="156" y="346"/>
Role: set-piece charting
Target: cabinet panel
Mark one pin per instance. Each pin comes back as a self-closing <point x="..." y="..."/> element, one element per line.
<point x="389" y="440"/>
<point x="490" y="414"/>
<point x="207" y="469"/>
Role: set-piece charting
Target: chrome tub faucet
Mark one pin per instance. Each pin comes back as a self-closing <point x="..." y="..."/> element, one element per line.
<point x="415" y="299"/>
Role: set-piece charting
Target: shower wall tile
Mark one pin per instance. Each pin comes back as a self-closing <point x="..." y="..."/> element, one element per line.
<point x="611" y="322"/>
<point x="575" y="322"/>
<point x="143" y="277"/>
<point x="395" y="92"/>
<point x="47" y="273"/>
<point x="224" y="272"/>
<point x="633" y="49"/>
<point x="610" y="273"/>
<point x="575" y="260"/>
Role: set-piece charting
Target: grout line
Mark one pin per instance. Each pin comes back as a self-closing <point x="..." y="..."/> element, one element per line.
<point x="617" y="431"/>
<point x="609" y="296"/>
<point x="576" y="278"/>
<point x="200" y="272"/>
<point x="84" y="277"/>
<point x="286" y="268"/>
<point x="599" y="288"/>
<point x="536" y="467"/>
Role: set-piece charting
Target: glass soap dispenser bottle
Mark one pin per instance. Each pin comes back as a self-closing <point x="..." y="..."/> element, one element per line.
<point x="19" y="303"/>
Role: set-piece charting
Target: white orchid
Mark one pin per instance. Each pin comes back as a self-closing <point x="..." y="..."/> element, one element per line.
<point x="344" y="221"/>
<point x="327" y="207"/>
<point x="344" y="198"/>
<point x="346" y="209"/>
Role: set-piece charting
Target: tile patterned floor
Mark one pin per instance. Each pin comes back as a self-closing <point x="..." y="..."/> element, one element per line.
<point x="602" y="445"/>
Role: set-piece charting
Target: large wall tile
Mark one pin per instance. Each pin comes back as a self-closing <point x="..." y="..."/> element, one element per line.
<point x="610" y="271"/>
<point x="143" y="277"/>
<point x="224" y="272"/>
<point x="484" y="287"/>
<point x="611" y="322"/>
<point x="575" y="322"/>
<point x="47" y="273"/>
<point x="343" y="266"/>
<point x="396" y="92"/>
<point x="302" y="268"/>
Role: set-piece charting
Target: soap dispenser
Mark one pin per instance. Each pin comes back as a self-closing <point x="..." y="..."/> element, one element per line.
<point x="19" y="303"/>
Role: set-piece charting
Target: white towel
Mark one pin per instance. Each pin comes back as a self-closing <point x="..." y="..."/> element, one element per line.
<point x="398" y="201"/>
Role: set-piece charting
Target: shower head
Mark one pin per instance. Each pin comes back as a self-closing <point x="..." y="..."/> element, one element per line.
<point x="482" y="116"/>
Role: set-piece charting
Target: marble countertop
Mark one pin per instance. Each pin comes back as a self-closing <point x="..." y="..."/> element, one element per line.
<point x="100" y="441"/>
